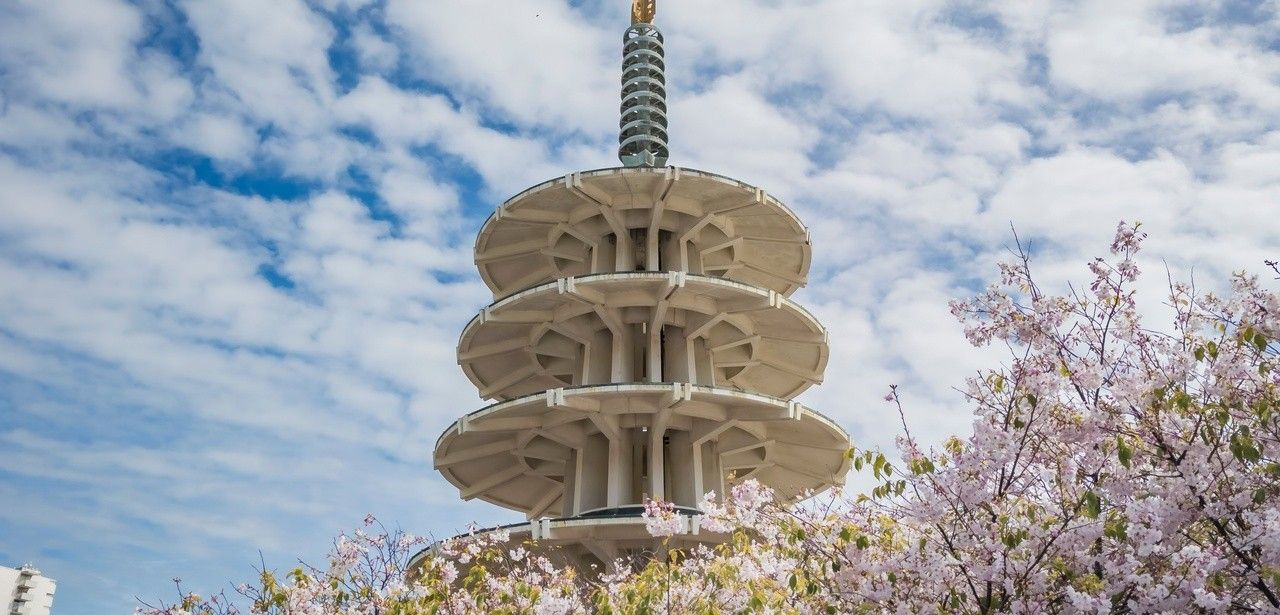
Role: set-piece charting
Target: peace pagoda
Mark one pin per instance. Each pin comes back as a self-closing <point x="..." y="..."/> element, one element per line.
<point x="641" y="344"/>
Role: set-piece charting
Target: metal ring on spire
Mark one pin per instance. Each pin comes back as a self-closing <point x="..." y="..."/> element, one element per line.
<point x="642" y="139"/>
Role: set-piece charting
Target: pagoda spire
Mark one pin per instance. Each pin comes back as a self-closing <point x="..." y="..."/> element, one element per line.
<point x="642" y="11"/>
<point x="642" y="137"/>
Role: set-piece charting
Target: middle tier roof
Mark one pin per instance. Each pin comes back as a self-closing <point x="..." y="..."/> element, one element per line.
<point x="643" y="327"/>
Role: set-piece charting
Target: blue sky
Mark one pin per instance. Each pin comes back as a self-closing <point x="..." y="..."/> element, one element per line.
<point x="235" y="235"/>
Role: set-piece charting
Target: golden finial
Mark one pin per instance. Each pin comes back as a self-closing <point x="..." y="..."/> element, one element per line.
<point x="642" y="11"/>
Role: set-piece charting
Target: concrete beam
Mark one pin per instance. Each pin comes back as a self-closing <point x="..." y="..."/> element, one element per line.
<point x="491" y="481"/>
<point x="474" y="452"/>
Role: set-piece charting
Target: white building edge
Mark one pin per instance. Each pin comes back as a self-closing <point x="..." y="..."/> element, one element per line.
<point x="24" y="591"/>
<point x="641" y="345"/>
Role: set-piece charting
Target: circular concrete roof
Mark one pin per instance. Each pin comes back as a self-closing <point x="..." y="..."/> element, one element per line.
<point x="714" y="226"/>
<point x="513" y="453"/>
<point x="754" y="339"/>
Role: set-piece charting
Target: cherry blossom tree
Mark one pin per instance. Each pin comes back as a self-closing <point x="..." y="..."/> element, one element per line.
<point x="1113" y="467"/>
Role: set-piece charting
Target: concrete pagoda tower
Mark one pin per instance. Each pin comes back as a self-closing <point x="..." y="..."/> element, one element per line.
<point x="641" y="344"/>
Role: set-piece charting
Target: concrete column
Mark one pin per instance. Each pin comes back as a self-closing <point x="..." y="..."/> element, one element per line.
<point x="654" y="348"/>
<point x="679" y="461"/>
<point x="573" y="466"/>
<point x="657" y="469"/>
<point x="620" y="468"/>
<point x="712" y="476"/>
<point x="674" y="366"/>
<point x="594" y="479"/>
<point x="600" y="358"/>
<point x="701" y="359"/>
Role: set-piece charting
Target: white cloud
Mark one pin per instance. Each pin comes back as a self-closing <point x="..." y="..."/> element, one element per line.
<point x="221" y="137"/>
<point x="271" y="56"/>
<point x="1123" y="52"/>
<point x="404" y="119"/>
<point x="377" y="54"/>
<point x="726" y="126"/>
<point x="1063" y="197"/>
<point x="539" y="62"/>
<point x="80" y="55"/>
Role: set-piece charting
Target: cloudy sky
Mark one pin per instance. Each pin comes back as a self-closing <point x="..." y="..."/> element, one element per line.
<point x="235" y="235"/>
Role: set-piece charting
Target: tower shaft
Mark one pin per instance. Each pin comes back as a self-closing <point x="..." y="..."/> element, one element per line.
<point x="642" y="136"/>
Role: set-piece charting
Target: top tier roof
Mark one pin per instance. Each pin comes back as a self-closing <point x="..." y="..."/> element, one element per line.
<point x="656" y="219"/>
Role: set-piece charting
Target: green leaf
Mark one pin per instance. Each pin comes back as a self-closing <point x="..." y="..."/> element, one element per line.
<point x="1199" y="353"/>
<point x="1116" y="527"/>
<point x="863" y="542"/>
<point x="1251" y="453"/>
<point x="1273" y="469"/>
<point x="1243" y="448"/>
<point x="1259" y="341"/>
<point x="1123" y="452"/>
<point x="1206" y="435"/>
<point x="1013" y="539"/>
<point x="922" y="465"/>
<point x="1092" y="505"/>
